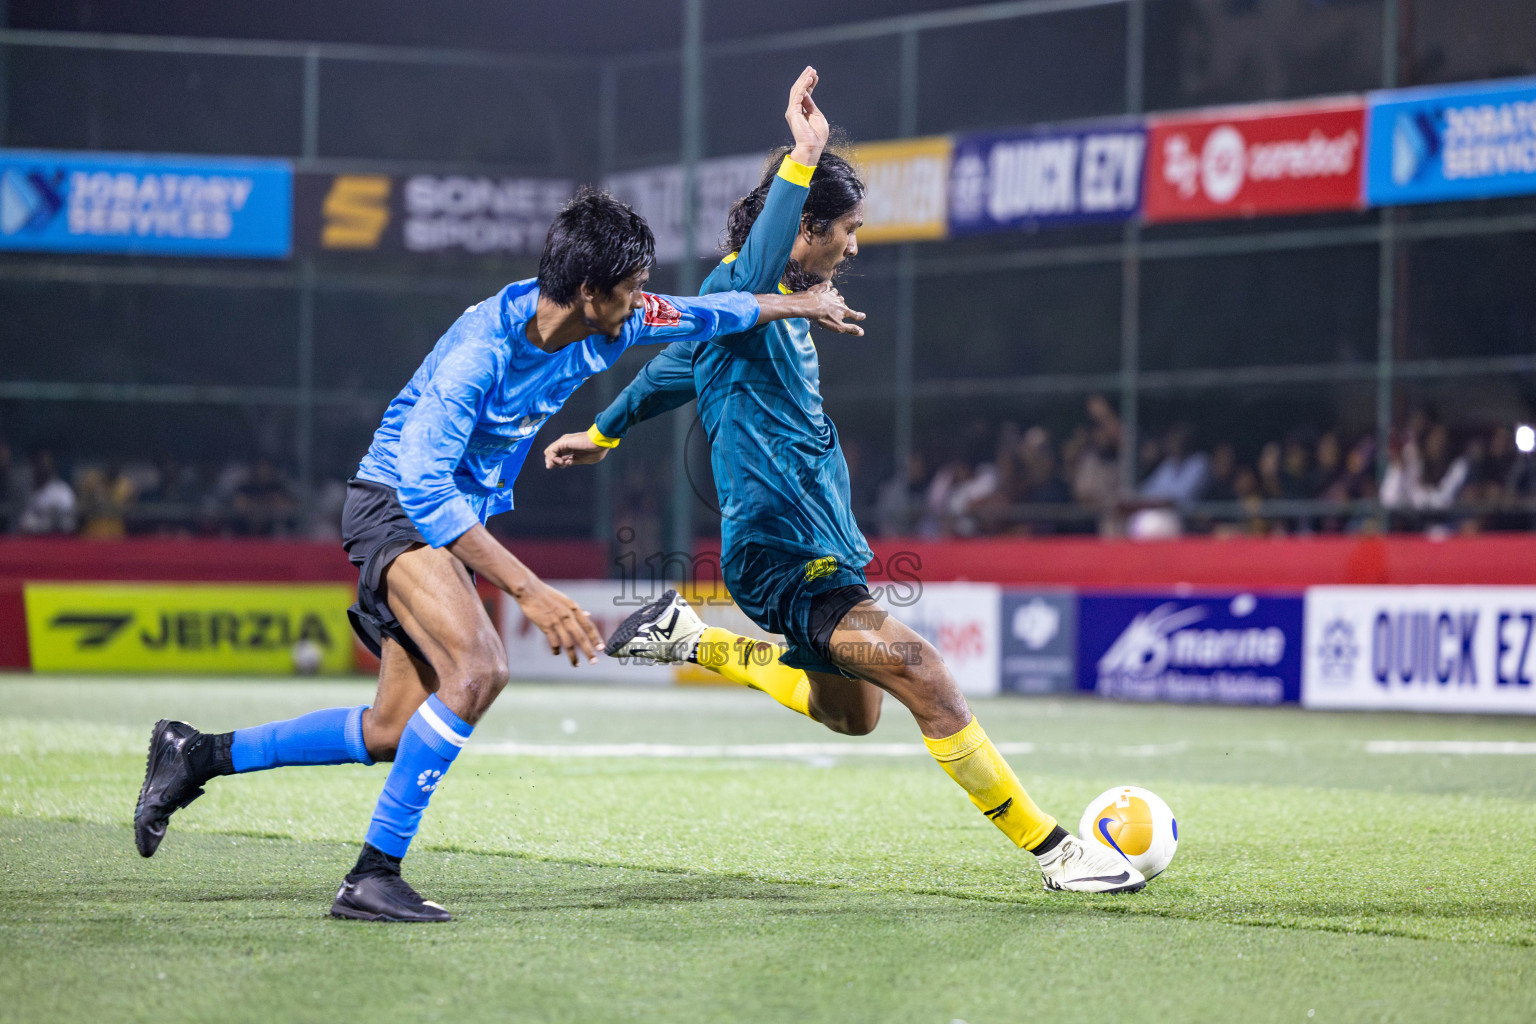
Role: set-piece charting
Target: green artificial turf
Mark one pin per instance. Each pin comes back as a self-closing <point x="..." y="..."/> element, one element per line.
<point x="1315" y="881"/>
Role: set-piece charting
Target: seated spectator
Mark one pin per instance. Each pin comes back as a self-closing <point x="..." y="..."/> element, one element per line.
<point x="105" y="498"/>
<point x="900" y="498"/>
<point x="1221" y="485"/>
<point x="50" y="506"/>
<point x="263" y="504"/>
<point x="1181" y="476"/>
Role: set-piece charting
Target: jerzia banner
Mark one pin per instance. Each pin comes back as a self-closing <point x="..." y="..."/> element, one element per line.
<point x="144" y="205"/>
<point x="427" y="213"/>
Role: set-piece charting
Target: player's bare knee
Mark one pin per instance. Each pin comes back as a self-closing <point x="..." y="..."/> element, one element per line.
<point x="381" y="735"/>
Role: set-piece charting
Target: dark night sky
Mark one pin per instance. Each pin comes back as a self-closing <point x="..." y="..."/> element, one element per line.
<point x="582" y="26"/>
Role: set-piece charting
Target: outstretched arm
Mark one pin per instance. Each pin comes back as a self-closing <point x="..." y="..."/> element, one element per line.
<point x="662" y="385"/>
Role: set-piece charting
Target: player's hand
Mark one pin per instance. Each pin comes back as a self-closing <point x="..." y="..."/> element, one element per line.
<point x="573" y="450"/>
<point x="806" y="121"/>
<point x="830" y="310"/>
<point x="566" y="626"/>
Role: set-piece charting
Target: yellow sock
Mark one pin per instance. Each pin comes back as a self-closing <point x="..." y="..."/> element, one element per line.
<point x="971" y="760"/>
<point x="754" y="663"/>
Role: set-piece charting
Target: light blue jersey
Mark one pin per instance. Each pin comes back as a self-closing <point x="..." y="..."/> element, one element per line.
<point x="454" y="439"/>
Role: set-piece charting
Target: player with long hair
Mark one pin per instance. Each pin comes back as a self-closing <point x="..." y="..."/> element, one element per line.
<point x="792" y="554"/>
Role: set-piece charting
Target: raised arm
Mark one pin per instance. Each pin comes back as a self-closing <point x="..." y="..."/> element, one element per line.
<point x="759" y="265"/>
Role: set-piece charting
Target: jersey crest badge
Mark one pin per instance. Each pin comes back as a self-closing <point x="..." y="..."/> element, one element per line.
<point x="659" y="312"/>
<point x="816" y="568"/>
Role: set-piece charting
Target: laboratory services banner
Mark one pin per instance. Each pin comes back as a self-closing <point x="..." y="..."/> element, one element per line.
<point x="187" y="627"/>
<point x="1225" y="648"/>
<point x="906" y="189"/>
<point x="1470" y="649"/>
<point x="427" y="213"/>
<point x="145" y="205"/>
<point x="1284" y="158"/>
<point x="1039" y="177"/>
<point x="1452" y="142"/>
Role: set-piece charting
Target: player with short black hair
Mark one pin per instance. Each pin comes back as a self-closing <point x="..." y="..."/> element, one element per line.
<point x="792" y="554"/>
<point x="442" y="462"/>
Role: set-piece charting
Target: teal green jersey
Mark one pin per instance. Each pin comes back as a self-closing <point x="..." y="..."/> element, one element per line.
<point x="779" y="470"/>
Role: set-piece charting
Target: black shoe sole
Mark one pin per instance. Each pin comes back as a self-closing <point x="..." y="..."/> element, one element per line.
<point x="142" y="837"/>
<point x="348" y="913"/>
<point x="630" y="626"/>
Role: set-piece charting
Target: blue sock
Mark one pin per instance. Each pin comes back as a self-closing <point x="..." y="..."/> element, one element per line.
<point x="332" y="736"/>
<point x="431" y="741"/>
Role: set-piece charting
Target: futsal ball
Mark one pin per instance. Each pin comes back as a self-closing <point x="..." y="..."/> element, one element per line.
<point x="307" y="657"/>
<point x="1136" y="823"/>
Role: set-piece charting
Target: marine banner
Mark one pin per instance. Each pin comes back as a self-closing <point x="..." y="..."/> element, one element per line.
<point x="189" y="627"/>
<point x="1043" y="176"/>
<point x="1452" y="142"/>
<point x="906" y="189"/>
<point x="145" y="205"/>
<point x="1227" y="648"/>
<point x="426" y="213"/>
<point x="1470" y="649"/>
<point x="1274" y="159"/>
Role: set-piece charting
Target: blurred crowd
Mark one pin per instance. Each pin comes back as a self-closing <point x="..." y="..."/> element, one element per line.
<point x="108" y="500"/>
<point x="982" y="480"/>
<point x="1012" y="479"/>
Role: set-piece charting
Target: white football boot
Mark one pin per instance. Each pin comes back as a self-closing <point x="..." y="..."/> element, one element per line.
<point x="666" y="630"/>
<point x="1076" y="866"/>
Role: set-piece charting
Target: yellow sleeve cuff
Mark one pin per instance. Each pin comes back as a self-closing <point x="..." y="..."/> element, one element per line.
<point x="796" y="172"/>
<point x="601" y="439"/>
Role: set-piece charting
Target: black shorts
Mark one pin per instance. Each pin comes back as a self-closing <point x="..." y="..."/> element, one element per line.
<point x="375" y="531"/>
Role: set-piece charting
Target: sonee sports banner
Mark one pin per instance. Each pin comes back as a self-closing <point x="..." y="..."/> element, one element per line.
<point x="145" y="205"/>
<point x="1457" y="142"/>
<point x="185" y="627"/>
<point x="427" y="213"/>
<point x="1249" y="161"/>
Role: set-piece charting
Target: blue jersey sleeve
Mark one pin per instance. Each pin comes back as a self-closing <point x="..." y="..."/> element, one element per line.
<point x="433" y="439"/>
<point x="662" y="385"/>
<point x="759" y="266"/>
<point x="672" y="318"/>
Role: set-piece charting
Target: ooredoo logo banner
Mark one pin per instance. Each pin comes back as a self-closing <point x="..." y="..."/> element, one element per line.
<point x="1253" y="161"/>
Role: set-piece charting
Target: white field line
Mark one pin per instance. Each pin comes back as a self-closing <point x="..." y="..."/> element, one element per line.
<point x="1505" y="747"/>
<point x="789" y="751"/>
<point x="723" y="750"/>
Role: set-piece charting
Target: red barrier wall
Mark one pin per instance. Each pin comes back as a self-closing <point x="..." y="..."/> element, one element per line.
<point x="1288" y="563"/>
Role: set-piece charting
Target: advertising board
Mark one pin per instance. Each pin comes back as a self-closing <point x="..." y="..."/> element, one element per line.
<point x="1230" y="648"/>
<point x="1422" y="648"/>
<point x="1279" y="158"/>
<point x="426" y="213"/>
<point x="906" y="189"/>
<point x="1037" y="177"/>
<point x="1452" y="142"/>
<point x="1039" y="641"/>
<point x="962" y="621"/>
<point x="189" y="627"/>
<point x="145" y="205"/>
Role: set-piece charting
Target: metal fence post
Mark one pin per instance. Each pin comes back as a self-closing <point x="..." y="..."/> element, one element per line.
<point x="688" y="268"/>
<point x="1130" y="266"/>
<point x="607" y="384"/>
<point x="1387" y="256"/>
<point x="304" y="432"/>
<point x="906" y="275"/>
